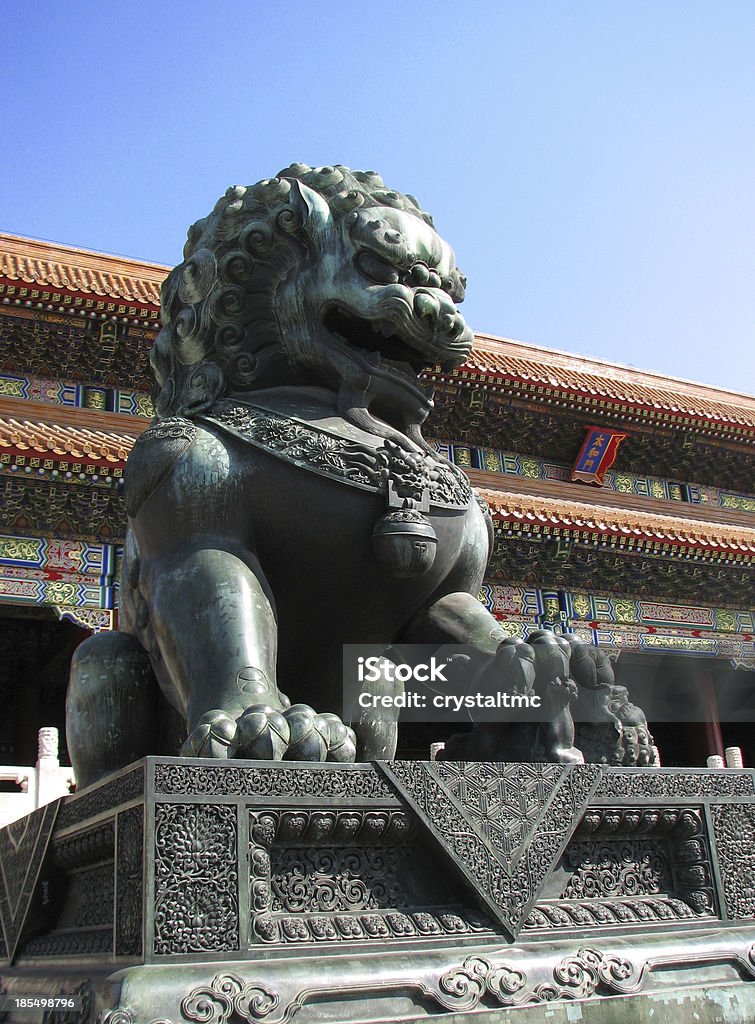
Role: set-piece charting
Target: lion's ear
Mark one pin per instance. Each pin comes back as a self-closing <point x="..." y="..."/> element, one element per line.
<point x="316" y="212"/>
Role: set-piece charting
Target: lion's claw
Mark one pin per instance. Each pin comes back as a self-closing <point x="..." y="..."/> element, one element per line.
<point x="310" y="734"/>
<point x="342" y="745"/>
<point x="214" y="735"/>
<point x="263" y="733"/>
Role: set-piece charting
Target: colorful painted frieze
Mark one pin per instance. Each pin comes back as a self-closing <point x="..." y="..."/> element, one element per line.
<point x="519" y="602"/>
<point x="53" y="554"/>
<point x="50" y="571"/>
<point x="93" y="619"/>
<point x="735" y="648"/>
<point x="658" y="614"/>
<point x="133" y="403"/>
<point x="39" y="389"/>
<point x="493" y="460"/>
<point x="76" y="396"/>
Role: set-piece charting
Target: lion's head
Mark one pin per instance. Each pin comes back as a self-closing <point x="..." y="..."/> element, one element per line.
<point x="317" y="275"/>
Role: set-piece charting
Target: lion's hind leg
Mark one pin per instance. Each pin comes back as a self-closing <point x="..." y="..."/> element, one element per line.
<point x="112" y="714"/>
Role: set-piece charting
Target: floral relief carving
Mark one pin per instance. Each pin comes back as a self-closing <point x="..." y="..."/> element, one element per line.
<point x="668" y="784"/>
<point x="633" y="867"/>
<point x="412" y="474"/>
<point x="480" y="982"/>
<point x="264" y="781"/>
<point x="734" y="827"/>
<point x="129" y="882"/>
<point x="568" y="914"/>
<point x="229" y="998"/>
<point x="196" y="878"/>
<point x="331" y="879"/>
<point x="127" y="786"/>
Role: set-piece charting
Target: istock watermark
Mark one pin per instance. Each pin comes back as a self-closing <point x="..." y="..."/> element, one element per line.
<point x="374" y="668"/>
<point x="460" y="684"/>
<point x="449" y="701"/>
<point x="429" y="684"/>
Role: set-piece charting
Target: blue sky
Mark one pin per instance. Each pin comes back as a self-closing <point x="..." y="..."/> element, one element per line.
<point x="592" y="163"/>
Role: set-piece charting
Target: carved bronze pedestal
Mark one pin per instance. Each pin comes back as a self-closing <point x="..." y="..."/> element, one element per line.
<point x="226" y="892"/>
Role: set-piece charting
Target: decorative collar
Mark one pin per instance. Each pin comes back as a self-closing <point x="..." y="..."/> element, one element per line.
<point x="389" y="469"/>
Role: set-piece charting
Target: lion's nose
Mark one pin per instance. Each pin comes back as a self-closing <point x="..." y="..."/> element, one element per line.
<point x="439" y="310"/>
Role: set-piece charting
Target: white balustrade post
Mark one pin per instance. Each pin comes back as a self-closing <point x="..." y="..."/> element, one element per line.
<point x="734" y="757"/>
<point x="52" y="781"/>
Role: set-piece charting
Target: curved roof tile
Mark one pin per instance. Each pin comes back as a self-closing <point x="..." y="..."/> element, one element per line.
<point x="501" y="359"/>
<point x="59" y="440"/>
<point x="506" y="505"/>
<point x="78" y="270"/>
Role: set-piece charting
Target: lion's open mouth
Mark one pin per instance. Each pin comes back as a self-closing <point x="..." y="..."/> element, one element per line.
<point x="377" y="342"/>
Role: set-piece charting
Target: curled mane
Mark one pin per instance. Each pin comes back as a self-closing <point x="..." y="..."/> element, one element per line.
<point x="220" y="332"/>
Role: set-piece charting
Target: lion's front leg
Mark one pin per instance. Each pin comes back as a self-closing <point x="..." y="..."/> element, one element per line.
<point x="215" y="632"/>
<point x="213" y="620"/>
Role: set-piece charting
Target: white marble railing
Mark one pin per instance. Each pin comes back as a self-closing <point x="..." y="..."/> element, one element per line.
<point x="46" y="781"/>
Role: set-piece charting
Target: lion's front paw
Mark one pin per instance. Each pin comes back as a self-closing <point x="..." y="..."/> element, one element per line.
<point x="262" y="733"/>
<point x="342" y="741"/>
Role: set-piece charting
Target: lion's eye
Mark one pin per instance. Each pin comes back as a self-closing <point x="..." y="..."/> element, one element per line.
<point x="376" y="269"/>
<point x="455" y="286"/>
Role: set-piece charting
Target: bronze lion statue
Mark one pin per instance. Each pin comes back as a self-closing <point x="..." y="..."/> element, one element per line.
<point x="284" y="502"/>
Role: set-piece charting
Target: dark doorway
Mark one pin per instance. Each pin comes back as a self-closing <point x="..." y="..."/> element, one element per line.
<point x="35" y="655"/>
<point x="695" y="706"/>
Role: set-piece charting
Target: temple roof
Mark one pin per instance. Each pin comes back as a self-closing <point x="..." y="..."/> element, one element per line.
<point x="53" y="437"/>
<point x="34" y="430"/>
<point x="80" y="270"/>
<point x="595" y="387"/>
<point x="504" y="361"/>
<point x="48" y="438"/>
<point x="623" y="523"/>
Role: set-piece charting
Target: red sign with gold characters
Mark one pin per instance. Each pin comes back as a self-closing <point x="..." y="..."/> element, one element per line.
<point x="597" y="455"/>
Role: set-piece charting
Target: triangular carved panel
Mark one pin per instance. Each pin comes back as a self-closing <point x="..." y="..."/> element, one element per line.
<point x="23" y="845"/>
<point x="503" y="825"/>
